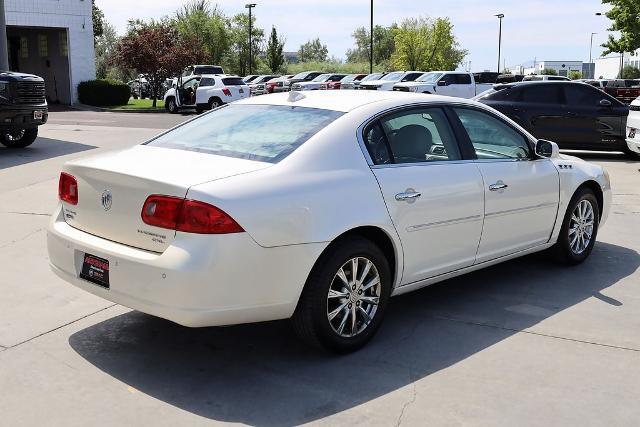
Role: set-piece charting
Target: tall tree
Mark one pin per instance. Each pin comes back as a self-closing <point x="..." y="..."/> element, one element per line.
<point x="313" y="50"/>
<point x="199" y="21"/>
<point x="275" y="46"/>
<point x="383" y="44"/>
<point x="625" y="15"/>
<point x="157" y="51"/>
<point x="426" y="44"/>
<point x="97" y="17"/>
<point x="238" y="57"/>
<point x="104" y="48"/>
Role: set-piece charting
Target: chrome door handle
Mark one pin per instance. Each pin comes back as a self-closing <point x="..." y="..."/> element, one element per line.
<point x="407" y="197"/>
<point x="498" y="186"/>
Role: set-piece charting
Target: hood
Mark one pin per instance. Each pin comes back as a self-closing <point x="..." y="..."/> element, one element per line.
<point x="11" y="76"/>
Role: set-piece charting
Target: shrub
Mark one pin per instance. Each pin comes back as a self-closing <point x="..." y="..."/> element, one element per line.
<point x="103" y="92"/>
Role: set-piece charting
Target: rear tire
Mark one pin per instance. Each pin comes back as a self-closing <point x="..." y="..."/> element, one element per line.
<point x="18" y="138"/>
<point x="579" y="228"/>
<point x="328" y="305"/>
<point x="215" y="103"/>
<point x="631" y="154"/>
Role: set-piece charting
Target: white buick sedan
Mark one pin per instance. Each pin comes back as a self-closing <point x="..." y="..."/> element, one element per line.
<point x="318" y="207"/>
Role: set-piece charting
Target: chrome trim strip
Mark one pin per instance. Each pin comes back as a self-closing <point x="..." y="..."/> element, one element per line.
<point x="518" y="210"/>
<point x="444" y="223"/>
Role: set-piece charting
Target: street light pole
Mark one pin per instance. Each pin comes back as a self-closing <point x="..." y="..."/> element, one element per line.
<point x="499" y="16"/>
<point x="250" y="6"/>
<point x="591" y="66"/>
<point x="4" y="52"/>
<point x="371" y="42"/>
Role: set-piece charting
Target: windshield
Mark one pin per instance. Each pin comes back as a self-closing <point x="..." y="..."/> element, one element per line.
<point x="393" y="76"/>
<point x="264" y="133"/>
<point x="348" y="78"/>
<point x="301" y="75"/>
<point x="429" y="77"/>
<point x="374" y="76"/>
<point x="321" y="78"/>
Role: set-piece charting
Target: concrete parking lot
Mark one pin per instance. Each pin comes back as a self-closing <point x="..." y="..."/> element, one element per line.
<point x="523" y="343"/>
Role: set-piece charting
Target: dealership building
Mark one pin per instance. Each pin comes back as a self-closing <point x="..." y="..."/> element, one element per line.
<point x="609" y="67"/>
<point x="54" y="40"/>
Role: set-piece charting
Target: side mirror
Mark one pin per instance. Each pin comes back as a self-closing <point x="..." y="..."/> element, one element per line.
<point x="442" y="83"/>
<point x="547" y="149"/>
<point x="605" y="103"/>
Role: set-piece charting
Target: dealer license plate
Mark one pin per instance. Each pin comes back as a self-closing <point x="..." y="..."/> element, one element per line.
<point x="95" y="270"/>
<point x="37" y="115"/>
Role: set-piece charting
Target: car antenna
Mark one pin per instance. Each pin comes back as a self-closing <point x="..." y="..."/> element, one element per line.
<point x="295" y="96"/>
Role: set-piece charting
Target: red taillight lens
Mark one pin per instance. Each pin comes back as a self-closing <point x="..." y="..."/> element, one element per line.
<point x="68" y="189"/>
<point x="226" y="91"/>
<point x="189" y="216"/>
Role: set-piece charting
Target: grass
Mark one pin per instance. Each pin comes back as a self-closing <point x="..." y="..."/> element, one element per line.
<point x="138" y="104"/>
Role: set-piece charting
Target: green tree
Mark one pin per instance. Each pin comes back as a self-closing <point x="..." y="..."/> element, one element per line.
<point x="549" y="72"/>
<point x="629" y="72"/>
<point x="575" y="75"/>
<point x="97" y="17"/>
<point x="238" y="56"/>
<point x="275" y="46"/>
<point x="199" y="21"/>
<point x="104" y="47"/>
<point x="313" y="50"/>
<point x="383" y="44"/>
<point x="625" y="15"/>
<point x="426" y="44"/>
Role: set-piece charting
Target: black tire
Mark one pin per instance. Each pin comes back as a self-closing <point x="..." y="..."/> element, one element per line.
<point x="215" y="103"/>
<point x="310" y="320"/>
<point x="563" y="250"/>
<point x="18" y="138"/>
<point x="171" y="105"/>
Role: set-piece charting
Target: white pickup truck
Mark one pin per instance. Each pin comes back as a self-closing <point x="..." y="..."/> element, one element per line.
<point x="448" y="83"/>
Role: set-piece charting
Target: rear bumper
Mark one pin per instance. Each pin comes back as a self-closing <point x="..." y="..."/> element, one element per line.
<point x="634" y="143"/>
<point x="200" y="280"/>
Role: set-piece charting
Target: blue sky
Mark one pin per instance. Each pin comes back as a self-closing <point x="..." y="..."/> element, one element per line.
<point x="542" y="29"/>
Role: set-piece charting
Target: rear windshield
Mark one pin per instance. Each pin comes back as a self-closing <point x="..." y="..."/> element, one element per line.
<point x="208" y="70"/>
<point x="264" y="133"/>
<point x="233" y="81"/>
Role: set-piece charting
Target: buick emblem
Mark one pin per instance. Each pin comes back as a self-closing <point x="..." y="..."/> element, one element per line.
<point x="107" y="200"/>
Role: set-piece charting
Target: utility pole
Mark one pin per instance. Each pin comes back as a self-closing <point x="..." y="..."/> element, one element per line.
<point x="499" y="16"/>
<point x="371" y="42"/>
<point x="4" y="52"/>
<point x="249" y="6"/>
<point x="591" y="65"/>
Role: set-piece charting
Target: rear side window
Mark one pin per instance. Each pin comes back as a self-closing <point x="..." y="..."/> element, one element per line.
<point x="578" y="95"/>
<point x="207" y="82"/>
<point x="541" y="93"/>
<point x="413" y="136"/>
<point x="233" y="81"/>
<point x="265" y="133"/>
<point x="463" y="79"/>
<point x="411" y="77"/>
<point x="491" y="137"/>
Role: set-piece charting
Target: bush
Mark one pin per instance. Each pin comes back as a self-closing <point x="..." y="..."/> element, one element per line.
<point x="630" y="72"/>
<point x="103" y="92"/>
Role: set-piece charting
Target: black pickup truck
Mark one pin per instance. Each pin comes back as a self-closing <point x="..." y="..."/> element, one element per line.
<point x="23" y="107"/>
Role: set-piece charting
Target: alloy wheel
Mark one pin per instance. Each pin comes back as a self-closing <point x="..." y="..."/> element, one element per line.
<point x="581" y="227"/>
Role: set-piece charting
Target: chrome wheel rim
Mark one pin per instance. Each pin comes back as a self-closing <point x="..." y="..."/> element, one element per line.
<point x="353" y="297"/>
<point x="15" y="136"/>
<point x="581" y="227"/>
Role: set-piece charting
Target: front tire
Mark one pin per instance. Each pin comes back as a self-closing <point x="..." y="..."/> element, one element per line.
<point x="579" y="228"/>
<point x="631" y="154"/>
<point x="171" y="105"/>
<point x="20" y="138"/>
<point x="345" y="297"/>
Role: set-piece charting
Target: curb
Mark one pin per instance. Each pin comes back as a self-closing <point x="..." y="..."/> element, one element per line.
<point x="84" y="107"/>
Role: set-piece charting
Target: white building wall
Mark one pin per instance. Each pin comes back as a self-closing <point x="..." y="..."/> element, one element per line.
<point x="75" y="16"/>
<point x="609" y="67"/>
<point x="561" y="67"/>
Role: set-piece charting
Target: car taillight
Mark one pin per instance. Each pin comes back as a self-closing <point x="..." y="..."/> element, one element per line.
<point x="189" y="216"/>
<point x="68" y="189"/>
<point x="226" y="91"/>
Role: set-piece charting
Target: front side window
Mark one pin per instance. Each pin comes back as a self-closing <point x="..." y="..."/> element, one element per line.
<point x="393" y="77"/>
<point x="264" y="133"/>
<point x="413" y="136"/>
<point x="542" y="94"/>
<point x="491" y="137"/>
<point x="206" y="82"/>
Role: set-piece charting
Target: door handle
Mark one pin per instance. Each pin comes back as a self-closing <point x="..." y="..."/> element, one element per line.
<point x="571" y="114"/>
<point x="498" y="186"/>
<point x="407" y="197"/>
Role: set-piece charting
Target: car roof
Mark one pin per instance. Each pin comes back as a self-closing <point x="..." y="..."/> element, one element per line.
<point x="346" y="101"/>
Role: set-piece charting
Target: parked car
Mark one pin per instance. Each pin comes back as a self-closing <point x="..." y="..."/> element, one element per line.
<point x="355" y="84"/>
<point x="205" y="92"/>
<point x="305" y="76"/>
<point x="248" y="79"/>
<point x="139" y="88"/>
<point x="198" y="70"/>
<point x="574" y="115"/>
<point x="448" y="83"/>
<point x="600" y="83"/>
<point x="319" y="82"/>
<point x="260" y="80"/>
<point x="624" y="90"/>
<point x="291" y="206"/>
<point x="541" y="78"/>
<point x="346" y="79"/>
<point x="23" y="107"/>
<point x="389" y="80"/>
<point x="272" y="84"/>
<point x="509" y="78"/>
<point x="483" y="77"/>
<point x="633" y="129"/>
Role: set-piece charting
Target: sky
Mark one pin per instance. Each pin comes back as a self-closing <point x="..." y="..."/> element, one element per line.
<point x="532" y="29"/>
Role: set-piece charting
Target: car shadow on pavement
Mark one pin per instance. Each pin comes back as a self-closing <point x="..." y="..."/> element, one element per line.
<point x="41" y="149"/>
<point x="261" y="375"/>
